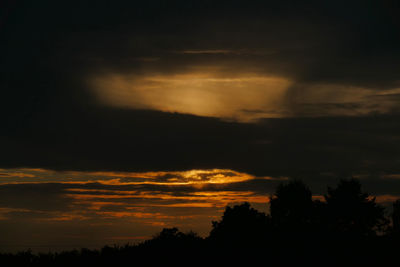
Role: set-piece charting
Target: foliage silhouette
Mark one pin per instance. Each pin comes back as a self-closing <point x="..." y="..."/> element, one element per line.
<point x="291" y="207"/>
<point x="239" y="224"/>
<point x="351" y="211"/>
<point x="173" y="238"/>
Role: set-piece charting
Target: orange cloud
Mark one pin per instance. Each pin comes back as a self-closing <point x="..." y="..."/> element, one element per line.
<point x="206" y="91"/>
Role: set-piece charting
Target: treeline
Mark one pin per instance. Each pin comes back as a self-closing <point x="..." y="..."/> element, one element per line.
<point x="346" y="228"/>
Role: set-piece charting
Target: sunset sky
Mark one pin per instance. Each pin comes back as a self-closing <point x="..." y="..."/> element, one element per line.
<point x="120" y="118"/>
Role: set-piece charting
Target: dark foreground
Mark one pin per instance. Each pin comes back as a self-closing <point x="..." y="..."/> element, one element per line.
<point x="373" y="252"/>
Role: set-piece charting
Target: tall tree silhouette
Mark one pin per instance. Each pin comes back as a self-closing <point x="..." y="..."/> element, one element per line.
<point x="291" y="207"/>
<point x="351" y="211"/>
<point x="240" y="224"/>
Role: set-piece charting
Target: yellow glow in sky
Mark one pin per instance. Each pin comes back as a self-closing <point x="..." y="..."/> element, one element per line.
<point x="242" y="97"/>
<point x="190" y="177"/>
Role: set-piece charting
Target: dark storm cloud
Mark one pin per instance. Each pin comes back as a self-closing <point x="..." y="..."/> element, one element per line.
<point x="51" y="119"/>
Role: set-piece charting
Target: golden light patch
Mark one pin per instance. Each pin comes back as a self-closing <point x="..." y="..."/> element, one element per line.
<point x="204" y="92"/>
<point x="190" y="177"/>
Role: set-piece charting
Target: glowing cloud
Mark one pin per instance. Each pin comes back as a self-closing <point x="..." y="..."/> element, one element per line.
<point x="243" y="96"/>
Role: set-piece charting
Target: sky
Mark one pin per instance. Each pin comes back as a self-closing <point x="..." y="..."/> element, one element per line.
<point x="119" y="118"/>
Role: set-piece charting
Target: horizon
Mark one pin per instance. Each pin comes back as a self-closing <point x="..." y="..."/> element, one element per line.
<point x="119" y="208"/>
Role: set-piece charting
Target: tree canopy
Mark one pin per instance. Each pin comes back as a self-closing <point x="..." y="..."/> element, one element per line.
<point x="351" y="211"/>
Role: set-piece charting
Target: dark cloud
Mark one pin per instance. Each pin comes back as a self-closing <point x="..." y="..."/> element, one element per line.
<point x="36" y="197"/>
<point x="149" y="141"/>
<point x="51" y="119"/>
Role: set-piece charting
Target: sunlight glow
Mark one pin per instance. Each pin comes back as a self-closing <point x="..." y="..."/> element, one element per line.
<point x="239" y="96"/>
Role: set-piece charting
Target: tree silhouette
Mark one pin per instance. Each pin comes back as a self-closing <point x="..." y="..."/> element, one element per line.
<point x="291" y="207"/>
<point x="240" y="224"/>
<point x="351" y="211"/>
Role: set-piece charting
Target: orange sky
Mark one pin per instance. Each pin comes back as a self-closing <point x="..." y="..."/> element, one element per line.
<point x="94" y="208"/>
<point x="125" y="204"/>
